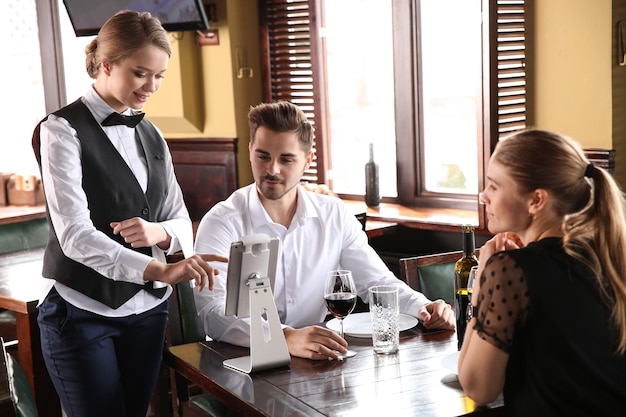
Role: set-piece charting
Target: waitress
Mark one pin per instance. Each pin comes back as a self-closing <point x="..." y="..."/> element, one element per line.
<point x="115" y="211"/>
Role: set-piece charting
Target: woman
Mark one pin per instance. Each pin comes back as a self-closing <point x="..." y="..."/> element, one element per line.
<point x="549" y="330"/>
<point x="115" y="211"/>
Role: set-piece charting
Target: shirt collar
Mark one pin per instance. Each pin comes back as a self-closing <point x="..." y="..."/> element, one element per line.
<point x="305" y="208"/>
<point x="99" y="108"/>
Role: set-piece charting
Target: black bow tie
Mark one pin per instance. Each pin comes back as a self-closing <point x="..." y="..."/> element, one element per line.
<point x="115" y="119"/>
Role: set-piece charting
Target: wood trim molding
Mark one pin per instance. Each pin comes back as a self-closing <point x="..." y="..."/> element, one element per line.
<point x="178" y="107"/>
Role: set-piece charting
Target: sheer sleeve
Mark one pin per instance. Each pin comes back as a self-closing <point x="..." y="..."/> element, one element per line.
<point x="502" y="301"/>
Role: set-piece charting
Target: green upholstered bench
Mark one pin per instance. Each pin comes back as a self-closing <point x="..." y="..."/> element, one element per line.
<point x="15" y="237"/>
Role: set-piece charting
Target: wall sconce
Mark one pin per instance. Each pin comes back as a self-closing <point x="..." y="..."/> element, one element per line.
<point x="207" y="37"/>
<point x="210" y="36"/>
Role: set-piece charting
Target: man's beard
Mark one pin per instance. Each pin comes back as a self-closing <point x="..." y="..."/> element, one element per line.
<point x="275" y="192"/>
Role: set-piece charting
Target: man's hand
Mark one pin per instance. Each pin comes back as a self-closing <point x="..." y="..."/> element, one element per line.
<point x="314" y="342"/>
<point x="437" y="315"/>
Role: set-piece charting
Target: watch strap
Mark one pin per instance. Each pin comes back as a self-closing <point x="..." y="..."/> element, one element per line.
<point x="473" y="311"/>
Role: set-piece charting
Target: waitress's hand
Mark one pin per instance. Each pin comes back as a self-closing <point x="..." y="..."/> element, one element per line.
<point x="141" y="234"/>
<point x="195" y="268"/>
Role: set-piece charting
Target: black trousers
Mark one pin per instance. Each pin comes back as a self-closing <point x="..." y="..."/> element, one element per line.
<point x="101" y="366"/>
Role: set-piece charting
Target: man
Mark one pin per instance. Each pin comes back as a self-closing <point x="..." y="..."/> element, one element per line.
<point x="316" y="234"/>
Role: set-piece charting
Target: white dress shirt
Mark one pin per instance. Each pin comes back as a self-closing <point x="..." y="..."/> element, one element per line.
<point x="67" y="205"/>
<point x="322" y="236"/>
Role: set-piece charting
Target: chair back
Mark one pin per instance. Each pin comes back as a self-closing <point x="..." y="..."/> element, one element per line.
<point x="185" y="326"/>
<point x="13" y="382"/>
<point x="432" y="275"/>
<point x="184" y="323"/>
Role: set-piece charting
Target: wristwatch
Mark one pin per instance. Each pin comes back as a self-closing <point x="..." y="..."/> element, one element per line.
<point x="472" y="311"/>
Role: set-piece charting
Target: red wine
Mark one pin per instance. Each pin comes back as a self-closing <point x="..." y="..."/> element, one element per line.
<point x="340" y="304"/>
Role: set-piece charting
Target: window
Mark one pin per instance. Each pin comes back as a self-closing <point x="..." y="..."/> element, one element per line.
<point x="77" y="81"/>
<point x="450" y="93"/>
<point x="439" y="73"/>
<point x="23" y="105"/>
<point x="360" y="92"/>
<point x="30" y="28"/>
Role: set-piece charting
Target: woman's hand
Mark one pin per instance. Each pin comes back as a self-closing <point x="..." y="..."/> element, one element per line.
<point x="142" y="234"/>
<point x="195" y="268"/>
<point x="498" y="243"/>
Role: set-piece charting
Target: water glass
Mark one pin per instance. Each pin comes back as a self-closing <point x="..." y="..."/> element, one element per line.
<point x="385" y="313"/>
<point x="473" y="276"/>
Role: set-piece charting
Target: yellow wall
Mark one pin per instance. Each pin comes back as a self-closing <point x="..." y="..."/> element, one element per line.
<point x="246" y="69"/>
<point x="572" y="79"/>
<point x="205" y="78"/>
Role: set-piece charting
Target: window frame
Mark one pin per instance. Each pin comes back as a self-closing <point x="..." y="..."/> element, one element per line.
<point x="409" y="133"/>
<point x="504" y="93"/>
<point x="51" y="54"/>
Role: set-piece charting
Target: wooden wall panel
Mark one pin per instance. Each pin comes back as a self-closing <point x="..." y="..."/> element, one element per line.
<point x="206" y="170"/>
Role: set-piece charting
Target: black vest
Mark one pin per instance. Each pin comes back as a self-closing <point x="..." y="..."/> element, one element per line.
<point x="113" y="194"/>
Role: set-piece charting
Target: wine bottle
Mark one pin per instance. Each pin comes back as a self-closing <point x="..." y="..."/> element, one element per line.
<point x="461" y="274"/>
<point x="372" y="196"/>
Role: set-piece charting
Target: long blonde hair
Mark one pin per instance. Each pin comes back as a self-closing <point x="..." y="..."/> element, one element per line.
<point x="123" y="35"/>
<point x="589" y="200"/>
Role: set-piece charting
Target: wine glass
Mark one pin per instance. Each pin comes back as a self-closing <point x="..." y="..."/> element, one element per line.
<point x="340" y="297"/>
<point x="473" y="275"/>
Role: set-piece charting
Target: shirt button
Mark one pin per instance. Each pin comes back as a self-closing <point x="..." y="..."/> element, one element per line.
<point x="144" y="211"/>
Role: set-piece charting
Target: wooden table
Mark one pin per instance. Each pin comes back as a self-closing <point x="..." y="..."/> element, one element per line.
<point x="411" y="382"/>
<point x="20" y="282"/>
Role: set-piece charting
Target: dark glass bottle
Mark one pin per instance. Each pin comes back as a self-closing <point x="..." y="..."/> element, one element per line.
<point x="461" y="274"/>
<point x="372" y="196"/>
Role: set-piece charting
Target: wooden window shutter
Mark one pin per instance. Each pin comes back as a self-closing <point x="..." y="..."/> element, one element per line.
<point x="505" y="110"/>
<point x="291" y="70"/>
<point x="510" y="51"/>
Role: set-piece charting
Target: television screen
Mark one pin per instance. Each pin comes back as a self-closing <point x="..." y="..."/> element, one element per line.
<point x="87" y="17"/>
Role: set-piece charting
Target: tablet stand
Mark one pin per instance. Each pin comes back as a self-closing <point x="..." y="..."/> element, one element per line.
<point x="268" y="348"/>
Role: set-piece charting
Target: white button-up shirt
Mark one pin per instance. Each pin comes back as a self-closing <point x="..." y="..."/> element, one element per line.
<point x="67" y="205"/>
<point x="322" y="236"/>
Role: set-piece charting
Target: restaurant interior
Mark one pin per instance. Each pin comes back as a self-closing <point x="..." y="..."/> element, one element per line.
<point x="574" y="82"/>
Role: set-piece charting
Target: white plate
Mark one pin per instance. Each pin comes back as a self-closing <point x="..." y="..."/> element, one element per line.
<point x="360" y="324"/>
<point x="450" y="362"/>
